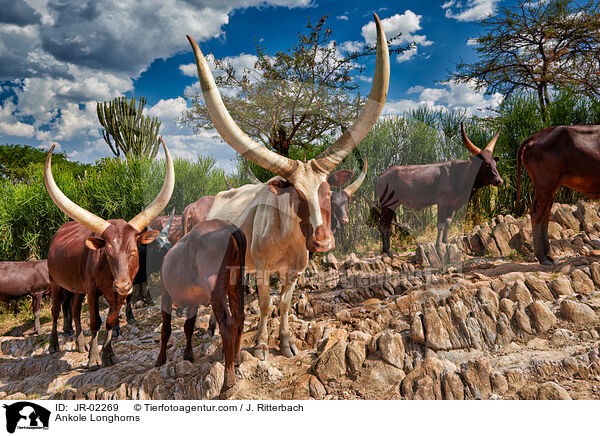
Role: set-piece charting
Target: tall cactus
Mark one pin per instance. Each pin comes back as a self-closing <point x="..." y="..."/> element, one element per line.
<point x="133" y="133"/>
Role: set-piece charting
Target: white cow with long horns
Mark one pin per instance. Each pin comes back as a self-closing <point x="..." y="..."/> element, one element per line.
<point x="290" y="214"/>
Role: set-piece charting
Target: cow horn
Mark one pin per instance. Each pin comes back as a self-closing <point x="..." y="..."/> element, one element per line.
<point x="351" y="189"/>
<point x="336" y="152"/>
<point x="229" y="130"/>
<point x="492" y="143"/>
<point x="470" y="146"/>
<point x="141" y="220"/>
<point x="76" y="212"/>
<point x="251" y="175"/>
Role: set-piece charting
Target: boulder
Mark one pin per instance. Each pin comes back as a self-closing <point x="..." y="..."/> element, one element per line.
<point x="543" y="318"/>
<point x="552" y="391"/>
<point x="581" y="283"/>
<point x="577" y="312"/>
<point x="391" y="348"/>
<point x="331" y="365"/>
<point x="538" y="288"/>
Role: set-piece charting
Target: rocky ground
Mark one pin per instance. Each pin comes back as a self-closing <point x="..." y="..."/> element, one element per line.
<point x="477" y="319"/>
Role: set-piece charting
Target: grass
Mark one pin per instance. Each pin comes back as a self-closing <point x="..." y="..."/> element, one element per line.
<point x="18" y="312"/>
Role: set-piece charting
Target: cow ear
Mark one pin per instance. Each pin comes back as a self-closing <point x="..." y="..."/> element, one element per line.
<point x="94" y="243"/>
<point x="340" y="178"/>
<point x="147" y="237"/>
<point x="279" y="186"/>
<point x="496" y="158"/>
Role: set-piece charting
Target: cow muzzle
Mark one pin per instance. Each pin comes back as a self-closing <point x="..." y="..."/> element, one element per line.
<point x="123" y="287"/>
<point x="498" y="182"/>
<point x="322" y="241"/>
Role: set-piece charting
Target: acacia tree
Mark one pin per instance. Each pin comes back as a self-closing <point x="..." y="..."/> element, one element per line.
<point x="539" y="46"/>
<point x="292" y="99"/>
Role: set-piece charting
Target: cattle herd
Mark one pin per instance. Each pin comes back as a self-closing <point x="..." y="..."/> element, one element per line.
<point x="205" y="254"/>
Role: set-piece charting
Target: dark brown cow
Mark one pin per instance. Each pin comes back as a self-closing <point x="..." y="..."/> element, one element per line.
<point x="206" y="266"/>
<point x="91" y="256"/>
<point x="555" y="156"/>
<point x="19" y="279"/>
<point x="341" y="199"/>
<point x="450" y="185"/>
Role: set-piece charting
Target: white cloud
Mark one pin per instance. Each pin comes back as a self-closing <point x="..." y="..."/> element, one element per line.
<point x="453" y="96"/>
<point x="472" y="41"/>
<point x="60" y="57"/>
<point x="407" y="24"/>
<point x="470" y="10"/>
<point x="407" y="55"/>
<point x="352" y="46"/>
<point x="342" y="17"/>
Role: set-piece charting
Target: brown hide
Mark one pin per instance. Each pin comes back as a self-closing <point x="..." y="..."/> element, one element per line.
<point x="555" y="156"/>
<point x="196" y="212"/>
<point x="207" y="266"/>
<point x="176" y="230"/>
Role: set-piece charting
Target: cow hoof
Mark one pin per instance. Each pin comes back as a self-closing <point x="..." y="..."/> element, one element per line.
<point x="68" y="332"/>
<point x="226" y="394"/>
<point x="148" y="302"/>
<point x="53" y="348"/>
<point x="546" y="262"/>
<point x="116" y="332"/>
<point x="289" y="351"/>
<point x="261" y="351"/>
<point x="189" y="356"/>
<point x="160" y="360"/>
<point x="94" y="364"/>
<point x="131" y="320"/>
<point x="109" y="360"/>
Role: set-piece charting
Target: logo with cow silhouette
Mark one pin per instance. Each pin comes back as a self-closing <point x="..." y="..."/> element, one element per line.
<point x="26" y="415"/>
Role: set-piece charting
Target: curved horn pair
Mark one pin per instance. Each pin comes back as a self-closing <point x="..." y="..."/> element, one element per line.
<point x="94" y="222"/>
<point x="274" y="162"/>
<point x="472" y="147"/>
<point x="352" y="188"/>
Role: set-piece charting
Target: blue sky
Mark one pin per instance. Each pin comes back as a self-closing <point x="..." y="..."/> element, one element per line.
<point x="58" y="57"/>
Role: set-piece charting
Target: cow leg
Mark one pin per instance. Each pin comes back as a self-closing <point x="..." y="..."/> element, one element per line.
<point x="236" y="292"/>
<point x="286" y="345"/>
<point x="67" y="316"/>
<point x="129" y="310"/>
<point x="76" y="313"/>
<point x="36" y="304"/>
<point x="540" y="215"/>
<point x="444" y="219"/>
<point x="226" y="328"/>
<point x="57" y="297"/>
<point x="385" y="224"/>
<point x="145" y="293"/>
<point x="108" y="355"/>
<point x="261" y="349"/>
<point x="188" y="328"/>
<point x="165" y="331"/>
<point x="212" y="325"/>
<point x="94" y="361"/>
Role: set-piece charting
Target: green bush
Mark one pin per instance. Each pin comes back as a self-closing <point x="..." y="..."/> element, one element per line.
<point x="113" y="188"/>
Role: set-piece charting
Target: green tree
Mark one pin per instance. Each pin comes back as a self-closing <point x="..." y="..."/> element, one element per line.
<point x="133" y="132"/>
<point x="15" y="160"/>
<point x="291" y="100"/>
<point x="538" y="46"/>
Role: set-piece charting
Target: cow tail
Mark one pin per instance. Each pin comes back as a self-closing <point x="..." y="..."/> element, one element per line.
<point x="240" y="240"/>
<point x="519" y="156"/>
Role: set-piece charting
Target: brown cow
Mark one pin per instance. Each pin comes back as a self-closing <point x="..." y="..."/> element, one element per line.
<point x="206" y="266"/>
<point x="18" y="279"/>
<point x="450" y="185"/>
<point x="288" y="216"/>
<point x="91" y="256"/>
<point x="555" y="156"/>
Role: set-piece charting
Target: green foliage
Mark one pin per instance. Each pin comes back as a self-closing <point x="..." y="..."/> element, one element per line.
<point x="113" y="188"/>
<point x="15" y="160"/>
<point x="134" y="134"/>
